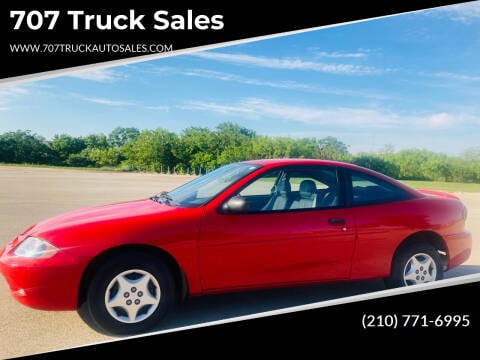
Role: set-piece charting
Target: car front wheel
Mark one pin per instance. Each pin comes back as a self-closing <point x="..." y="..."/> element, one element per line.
<point x="415" y="265"/>
<point x="128" y="295"/>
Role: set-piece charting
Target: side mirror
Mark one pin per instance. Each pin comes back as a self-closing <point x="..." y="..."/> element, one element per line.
<point x="235" y="205"/>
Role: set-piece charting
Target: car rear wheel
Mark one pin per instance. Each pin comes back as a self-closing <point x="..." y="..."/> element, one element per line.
<point x="415" y="265"/>
<point x="128" y="295"/>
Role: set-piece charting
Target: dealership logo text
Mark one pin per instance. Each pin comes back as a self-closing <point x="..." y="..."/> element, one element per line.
<point x="162" y="20"/>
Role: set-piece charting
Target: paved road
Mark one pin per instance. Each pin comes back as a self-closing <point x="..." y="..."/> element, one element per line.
<point x="28" y="195"/>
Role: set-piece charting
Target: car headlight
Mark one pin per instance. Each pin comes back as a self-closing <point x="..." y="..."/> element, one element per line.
<point x="35" y="248"/>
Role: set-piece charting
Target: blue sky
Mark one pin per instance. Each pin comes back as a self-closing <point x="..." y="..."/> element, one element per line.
<point x="411" y="81"/>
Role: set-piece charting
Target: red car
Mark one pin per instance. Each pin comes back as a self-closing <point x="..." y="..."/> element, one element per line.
<point x="247" y="225"/>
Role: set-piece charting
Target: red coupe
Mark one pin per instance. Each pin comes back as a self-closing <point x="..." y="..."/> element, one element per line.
<point x="247" y="225"/>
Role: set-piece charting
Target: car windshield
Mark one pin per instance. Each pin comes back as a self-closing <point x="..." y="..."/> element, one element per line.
<point x="204" y="188"/>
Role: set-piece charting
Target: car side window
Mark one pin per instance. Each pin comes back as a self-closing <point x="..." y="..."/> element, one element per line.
<point x="258" y="193"/>
<point x="261" y="186"/>
<point x="314" y="189"/>
<point x="367" y="190"/>
<point x="293" y="189"/>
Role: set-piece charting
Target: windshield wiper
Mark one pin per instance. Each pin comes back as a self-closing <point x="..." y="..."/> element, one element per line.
<point x="163" y="197"/>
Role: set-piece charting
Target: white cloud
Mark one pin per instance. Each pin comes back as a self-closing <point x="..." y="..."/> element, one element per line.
<point x="108" y="102"/>
<point x="238" y="109"/>
<point x="162" y="69"/>
<point x="337" y="55"/>
<point x="209" y="74"/>
<point x="316" y="115"/>
<point x="158" y="108"/>
<point x="13" y="91"/>
<point x="440" y="121"/>
<point x="465" y="12"/>
<point x="98" y="75"/>
<point x="461" y="77"/>
<point x="288" y="85"/>
<point x="288" y="63"/>
<point x="9" y="94"/>
<point x="102" y="101"/>
<point x="338" y="117"/>
<point x="258" y="108"/>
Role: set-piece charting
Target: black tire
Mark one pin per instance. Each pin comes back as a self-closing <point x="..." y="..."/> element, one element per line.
<point x="404" y="272"/>
<point x="119" y="276"/>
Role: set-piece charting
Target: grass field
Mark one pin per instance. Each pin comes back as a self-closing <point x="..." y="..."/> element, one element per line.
<point x="445" y="186"/>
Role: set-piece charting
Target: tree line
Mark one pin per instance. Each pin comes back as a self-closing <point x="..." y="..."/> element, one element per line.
<point x="197" y="150"/>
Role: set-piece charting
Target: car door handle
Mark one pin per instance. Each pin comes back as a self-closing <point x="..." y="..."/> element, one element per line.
<point x="336" y="221"/>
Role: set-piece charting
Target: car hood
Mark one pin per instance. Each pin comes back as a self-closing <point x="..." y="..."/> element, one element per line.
<point x="100" y="214"/>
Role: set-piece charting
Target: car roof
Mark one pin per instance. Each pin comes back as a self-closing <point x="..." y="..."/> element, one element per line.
<point x="269" y="162"/>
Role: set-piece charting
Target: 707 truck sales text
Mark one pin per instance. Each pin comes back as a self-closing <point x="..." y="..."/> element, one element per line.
<point x="162" y="20"/>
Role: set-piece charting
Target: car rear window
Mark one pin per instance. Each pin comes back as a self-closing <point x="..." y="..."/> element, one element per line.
<point x="368" y="189"/>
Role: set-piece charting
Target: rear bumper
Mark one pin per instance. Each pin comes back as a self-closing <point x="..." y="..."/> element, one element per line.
<point x="459" y="248"/>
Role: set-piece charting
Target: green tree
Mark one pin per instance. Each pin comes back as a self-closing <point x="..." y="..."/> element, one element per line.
<point x="110" y="157"/>
<point x="330" y="148"/>
<point x="79" y="160"/>
<point x="120" y="136"/>
<point x="410" y="163"/>
<point x="64" y="145"/>
<point x="437" y="167"/>
<point x="202" y="148"/>
<point x="304" y="148"/>
<point x="233" y="142"/>
<point x="472" y="154"/>
<point x="232" y="135"/>
<point x="98" y="141"/>
<point x="24" y="147"/>
<point x="377" y="163"/>
<point x="151" y="151"/>
<point x="197" y="149"/>
<point x="262" y="147"/>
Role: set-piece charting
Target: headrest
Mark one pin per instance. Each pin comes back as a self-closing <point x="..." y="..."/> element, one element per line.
<point x="307" y="188"/>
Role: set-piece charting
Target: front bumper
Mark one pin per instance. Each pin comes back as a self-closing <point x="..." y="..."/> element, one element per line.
<point x="46" y="284"/>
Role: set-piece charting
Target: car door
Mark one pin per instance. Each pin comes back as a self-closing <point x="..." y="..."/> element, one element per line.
<point x="294" y="240"/>
<point x="384" y="217"/>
